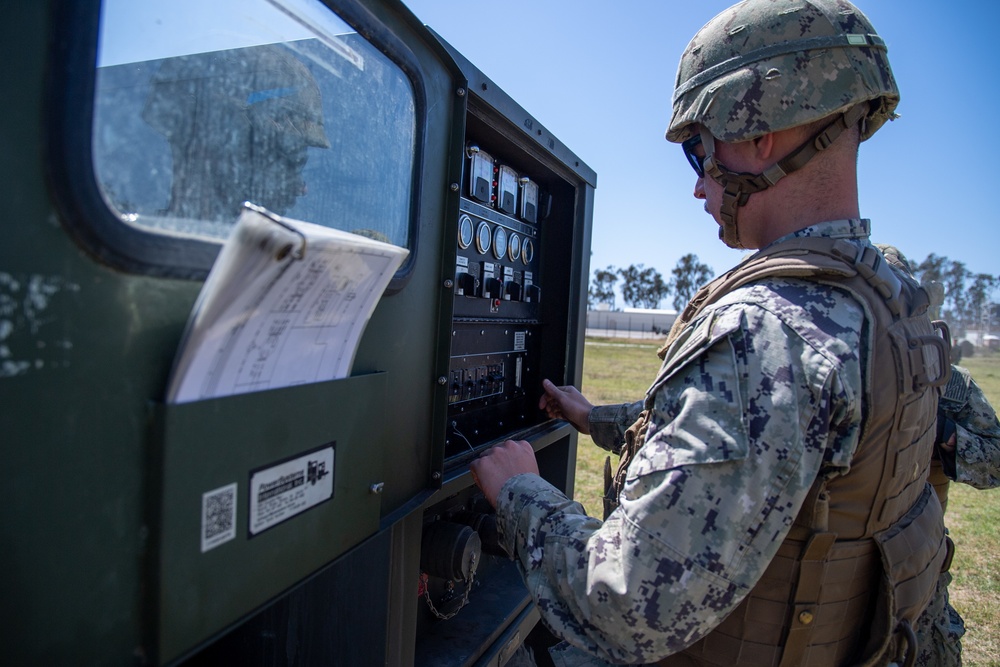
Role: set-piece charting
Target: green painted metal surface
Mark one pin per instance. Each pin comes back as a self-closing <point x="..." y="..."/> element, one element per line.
<point x="99" y="539"/>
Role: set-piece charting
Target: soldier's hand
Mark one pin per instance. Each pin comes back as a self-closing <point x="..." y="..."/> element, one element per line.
<point x="947" y="431"/>
<point x="499" y="463"/>
<point x="566" y="403"/>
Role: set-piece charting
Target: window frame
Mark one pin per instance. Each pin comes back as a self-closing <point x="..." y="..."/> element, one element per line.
<point x="69" y="115"/>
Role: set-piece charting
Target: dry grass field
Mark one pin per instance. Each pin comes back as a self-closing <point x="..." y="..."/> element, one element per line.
<point x="616" y="371"/>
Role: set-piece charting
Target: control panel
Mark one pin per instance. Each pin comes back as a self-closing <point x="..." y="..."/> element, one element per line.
<point x="508" y="246"/>
<point x="520" y="236"/>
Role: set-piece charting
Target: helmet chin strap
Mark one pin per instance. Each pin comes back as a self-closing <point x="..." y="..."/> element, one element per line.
<point x="738" y="186"/>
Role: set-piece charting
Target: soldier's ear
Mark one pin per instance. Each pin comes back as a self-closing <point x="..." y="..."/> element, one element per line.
<point x="764" y="147"/>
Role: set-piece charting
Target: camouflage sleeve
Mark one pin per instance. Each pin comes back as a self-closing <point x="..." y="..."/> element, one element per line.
<point x="939" y="630"/>
<point x="608" y="424"/>
<point x="977" y="451"/>
<point x="740" y="430"/>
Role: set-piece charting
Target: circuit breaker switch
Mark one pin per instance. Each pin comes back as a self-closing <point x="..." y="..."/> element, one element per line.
<point x="467" y="284"/>
<point x="492" y="288"/>
<point x="513" y="291"/>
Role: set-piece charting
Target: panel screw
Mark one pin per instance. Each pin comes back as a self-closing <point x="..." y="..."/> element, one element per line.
<point x="460" y="92"/>
<point x="376" y="488"/>
<point x="442" y="380"/>
<point x="454" y="187"/>
<point x="449" y="283"/>
<point x="435" y="475"/>
<point x="806" y="617"/>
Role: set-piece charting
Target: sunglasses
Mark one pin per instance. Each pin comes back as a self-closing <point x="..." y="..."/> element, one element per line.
<point x="697" y="162"/>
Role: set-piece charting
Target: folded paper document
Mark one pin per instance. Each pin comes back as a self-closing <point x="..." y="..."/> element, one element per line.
<point x="285" y="303"/>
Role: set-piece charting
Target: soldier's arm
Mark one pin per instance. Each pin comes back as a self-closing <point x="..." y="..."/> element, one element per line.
<point x="608" y="424"/>
<point x="977" y="433"/>
<point x="707" y="502"/>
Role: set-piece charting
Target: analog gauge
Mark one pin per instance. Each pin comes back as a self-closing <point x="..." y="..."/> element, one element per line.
<point x="499" y="242"/>
<point x="464" y="232"/>
<point x="483" y="237"/>
<point x="514" y="247"/>
<point x="527" y="251"/>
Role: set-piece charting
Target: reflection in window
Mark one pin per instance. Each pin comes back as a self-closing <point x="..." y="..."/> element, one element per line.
<point x="297" y="114"/>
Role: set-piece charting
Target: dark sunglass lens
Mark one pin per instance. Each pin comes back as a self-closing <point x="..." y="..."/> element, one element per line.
<point x="695" y="161"/>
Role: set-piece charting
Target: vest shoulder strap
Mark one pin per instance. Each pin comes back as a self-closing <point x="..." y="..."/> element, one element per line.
<point x="807" y="257"/>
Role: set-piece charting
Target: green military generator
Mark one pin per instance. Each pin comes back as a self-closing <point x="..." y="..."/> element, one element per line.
<point x="294" y="511"/>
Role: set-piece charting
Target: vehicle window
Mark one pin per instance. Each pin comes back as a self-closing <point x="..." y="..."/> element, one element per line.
<point x="200" y="106"/>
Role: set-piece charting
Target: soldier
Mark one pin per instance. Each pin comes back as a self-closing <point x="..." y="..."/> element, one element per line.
<point x="966" y="450"/>
<point x="968" y="434"/>
<point x="771" y="506"/>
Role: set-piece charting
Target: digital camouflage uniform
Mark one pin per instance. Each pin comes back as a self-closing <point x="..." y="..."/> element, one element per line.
<point x="965" y="411"/>
<point x="977" y="451"/>
<point x="767" y="398"/>
<point x="976" y="462"/>
<point x="761" y="393"/>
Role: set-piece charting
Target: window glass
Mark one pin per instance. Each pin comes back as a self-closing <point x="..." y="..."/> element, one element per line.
<point x="202" y="105"/>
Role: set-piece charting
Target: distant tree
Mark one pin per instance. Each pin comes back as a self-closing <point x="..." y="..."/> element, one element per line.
<point x="932" y="268"/>
<point x="642" y="287"/>
<point x="602" y="289"/>
<point x="954" y="290"/>
<point x="656" y="289"/>
<point x="980" y="306"/>
<point x="688" y="277"/>
<point x="968" y="297"/>
<point x="630" y="283"/>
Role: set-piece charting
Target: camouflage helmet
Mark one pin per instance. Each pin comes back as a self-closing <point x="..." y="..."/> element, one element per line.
<point x="769" y="65"/>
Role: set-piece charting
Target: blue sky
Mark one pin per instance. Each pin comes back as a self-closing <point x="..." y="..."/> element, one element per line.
<point x="599" y="75"/>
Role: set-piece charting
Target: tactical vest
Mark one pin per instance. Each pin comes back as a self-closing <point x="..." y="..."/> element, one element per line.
<point x="863" y="557"/>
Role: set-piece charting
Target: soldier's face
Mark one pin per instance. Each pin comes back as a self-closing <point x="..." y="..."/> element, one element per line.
<point x="736" y="157"/>
<point x="705" y="188"/>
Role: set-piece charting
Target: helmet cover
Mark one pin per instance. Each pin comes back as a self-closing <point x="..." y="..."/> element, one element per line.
<point x="769" y="65"/>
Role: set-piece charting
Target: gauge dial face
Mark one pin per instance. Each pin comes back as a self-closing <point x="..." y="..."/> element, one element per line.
<point x="514" y="249"/>
<point x="499" y="242"/>
<point x="481" y="182"/>
<point x="483" y="237"/>
<point x="507" y="190"/>
<point x="465" y="232"/>
<point x="527" y="251"/>
<point x="529" y="200"/>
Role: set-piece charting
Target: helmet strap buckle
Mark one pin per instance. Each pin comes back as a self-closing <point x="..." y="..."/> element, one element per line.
<point x="738" y="186"/>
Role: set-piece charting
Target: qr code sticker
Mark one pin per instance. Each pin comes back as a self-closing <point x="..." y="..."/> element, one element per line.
<point x="218" y="517"/>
